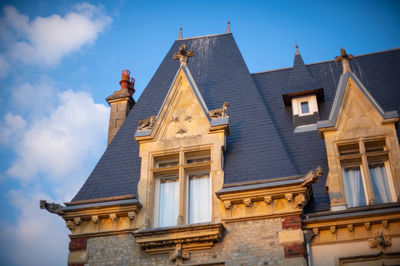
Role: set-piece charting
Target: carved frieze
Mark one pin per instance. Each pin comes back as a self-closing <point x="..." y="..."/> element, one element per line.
<point x="380" y="240"/>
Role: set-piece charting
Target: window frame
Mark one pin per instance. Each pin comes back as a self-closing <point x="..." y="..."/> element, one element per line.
<point x="312" y="105"/>
<point x="182" y="170"/>
<point x="362" y="159"/>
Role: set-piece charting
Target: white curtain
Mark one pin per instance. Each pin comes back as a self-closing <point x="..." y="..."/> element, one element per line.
<point x="379" y="183"/>
<point x="353" y="187"/>
<point x="168" y="202"/>
<point x="199" y="198"/>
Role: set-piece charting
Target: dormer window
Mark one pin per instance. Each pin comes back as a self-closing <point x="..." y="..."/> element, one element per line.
<point x="182" y="188"/>
<point x="366" y="174"/>
<point x="305" y="105"/>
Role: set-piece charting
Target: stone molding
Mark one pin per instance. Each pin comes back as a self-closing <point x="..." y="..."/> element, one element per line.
<point x="189" y="237"/>
<point x="266" y="200"/>
<point x="101" y="218"/>
<point x="367" y="227"/>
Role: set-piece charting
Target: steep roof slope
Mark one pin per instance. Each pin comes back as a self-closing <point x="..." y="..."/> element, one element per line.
<point x="379" y="72"/>
<point x="254" y="148"/>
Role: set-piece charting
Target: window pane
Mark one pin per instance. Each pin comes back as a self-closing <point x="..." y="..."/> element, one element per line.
<point x="379" y="183"/>
<point x="199" y="198"/>
<point x="168" y="202"/>
<point x="353" y="187"/>
<point x="305" y="109"/>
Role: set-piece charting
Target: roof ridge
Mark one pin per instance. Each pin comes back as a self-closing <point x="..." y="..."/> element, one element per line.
<point x="326" y="61"/>
<point x="203" y="36"/>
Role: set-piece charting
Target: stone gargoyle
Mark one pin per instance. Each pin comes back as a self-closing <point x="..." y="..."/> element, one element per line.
<point x="220" y="112"/>
<point x="146" y="124"/>
<point x="51" y="207"/>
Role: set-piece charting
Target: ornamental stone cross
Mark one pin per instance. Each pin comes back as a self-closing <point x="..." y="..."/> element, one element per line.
<point x="344" y="58"/>
<point x="183" y="54"/>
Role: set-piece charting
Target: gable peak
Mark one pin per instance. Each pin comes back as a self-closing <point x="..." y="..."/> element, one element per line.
<point x="344" y="58"/>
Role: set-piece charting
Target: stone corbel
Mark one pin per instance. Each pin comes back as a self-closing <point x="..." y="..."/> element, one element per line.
<point x="315" y="231"/>
<point x="77" y="220"/>
<point x="268" y="199"/>
<point x="227" y="204"/>
<point x="95" y="219"/>
<point x="367" y="226"/>
<point x="289" y="197"/>
<point x="350" y="227"/>
<point x="332" y="229"/>
<point x="70" y="225"/>
<point x="385" y="224"/>
<point x="113" y="217"/>
<point x="247" y="202"/>
<point x="300" y="200"/>
<point x="131" y="215"/>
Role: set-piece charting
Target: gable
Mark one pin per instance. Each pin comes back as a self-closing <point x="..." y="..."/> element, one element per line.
<point x="183" y="113"/>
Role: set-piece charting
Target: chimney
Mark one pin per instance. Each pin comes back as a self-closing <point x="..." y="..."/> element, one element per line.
<point x="121" y="102"/>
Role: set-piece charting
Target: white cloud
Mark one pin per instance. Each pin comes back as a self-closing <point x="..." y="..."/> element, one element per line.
<point x="45" y="40"/>
<point x="38" y="237"/>
<point x="60" y="144"/>
<point x="36" y="97"/>
<point x="11" y="128"/>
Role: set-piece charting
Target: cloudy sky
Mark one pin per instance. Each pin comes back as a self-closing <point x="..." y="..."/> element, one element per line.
<point x="59" y="60"/>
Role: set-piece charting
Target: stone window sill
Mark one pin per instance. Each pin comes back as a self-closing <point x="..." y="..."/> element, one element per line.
<point x="189" y="237"/>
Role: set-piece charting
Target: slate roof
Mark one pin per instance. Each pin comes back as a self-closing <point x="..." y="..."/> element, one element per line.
<point x="262" y="144"/>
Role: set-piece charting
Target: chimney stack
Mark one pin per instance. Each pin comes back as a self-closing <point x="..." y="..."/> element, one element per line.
<point x="121" y="103"/>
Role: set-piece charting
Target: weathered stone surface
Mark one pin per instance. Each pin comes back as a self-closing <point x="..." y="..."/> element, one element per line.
<point x="248" y="243"/>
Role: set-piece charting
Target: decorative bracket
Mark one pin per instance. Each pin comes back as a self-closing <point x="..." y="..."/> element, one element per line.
<point x="178" y="255"/>
<point x="380" y="240"/>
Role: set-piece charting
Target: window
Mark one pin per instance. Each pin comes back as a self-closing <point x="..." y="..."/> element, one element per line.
<point x="365" y="172"/>
<point x="182" y="188"/>
<point x="305" y="109"/>
<point x="305" y="105"/>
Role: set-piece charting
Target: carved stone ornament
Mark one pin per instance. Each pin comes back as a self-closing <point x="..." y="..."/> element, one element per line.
<point x="343" y="55"/>
<point x="300" y="200"/>
<point x="183" y="54"/>
<point x="220" y="112"/>
<point x="146" y="124"/>
<point x="179" y="254"/>
<point x="51" y="207"/>
<point x="344" y="58"/>
<point x="289" y="197"/>
<point x="380" y="240"/>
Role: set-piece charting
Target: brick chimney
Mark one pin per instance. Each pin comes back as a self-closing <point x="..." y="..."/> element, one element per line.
<point x="121" y="102"/>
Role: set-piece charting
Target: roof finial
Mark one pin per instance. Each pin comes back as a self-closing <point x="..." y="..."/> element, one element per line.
<point x="344" y="58"/>
<point x="297" y="49"/>
<point x="180" y="33"/>
<point x="228" y="28"/>
<point x="183" y="54"/>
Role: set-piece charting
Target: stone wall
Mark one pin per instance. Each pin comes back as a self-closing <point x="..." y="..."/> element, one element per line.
<point x="244" y="243"/>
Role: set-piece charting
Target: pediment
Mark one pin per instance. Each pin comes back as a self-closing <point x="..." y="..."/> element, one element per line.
<point x="356" y="110"/>
<point x="183" y="113"/>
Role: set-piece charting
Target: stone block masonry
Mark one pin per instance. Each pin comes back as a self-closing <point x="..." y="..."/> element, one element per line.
<point x="244" y="243"/>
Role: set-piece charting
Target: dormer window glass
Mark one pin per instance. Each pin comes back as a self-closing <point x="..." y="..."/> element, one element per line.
<point x="182" y="188"/>
<point x="365" y="171"/>
<point x="305" y="109"/>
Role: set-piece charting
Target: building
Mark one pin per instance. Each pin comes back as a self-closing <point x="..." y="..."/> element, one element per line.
<point x="218" y="166"/>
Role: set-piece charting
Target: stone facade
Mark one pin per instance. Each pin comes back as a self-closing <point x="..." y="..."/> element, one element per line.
<point x="244" y="243"/>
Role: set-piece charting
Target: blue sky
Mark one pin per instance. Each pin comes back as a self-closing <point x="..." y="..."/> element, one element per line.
<point x="59" y="60"/>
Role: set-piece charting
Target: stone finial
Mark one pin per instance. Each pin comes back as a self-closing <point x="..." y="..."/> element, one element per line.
<point x="183" y="54"/>
<point x="344" y="58"/>
<point x="297" y="49"/>
<point x="228" y="28"/>
<point x="180" y="34"/>
<point x="51" y="207"/>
